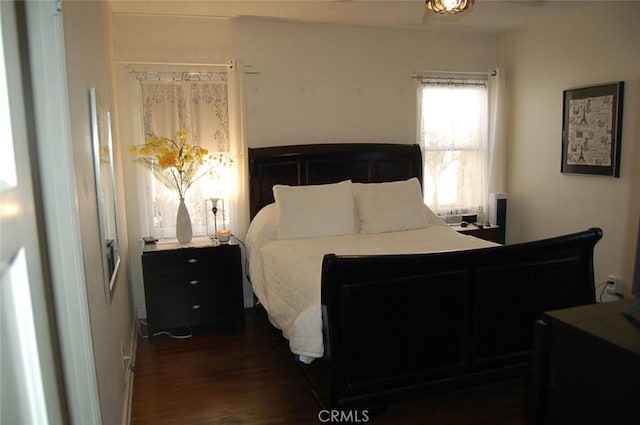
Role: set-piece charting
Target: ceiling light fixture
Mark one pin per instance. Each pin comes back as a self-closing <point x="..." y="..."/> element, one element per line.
<point x="449" y="7"/>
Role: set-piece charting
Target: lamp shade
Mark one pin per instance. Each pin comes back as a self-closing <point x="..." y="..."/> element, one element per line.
<point x="449" y="7"/>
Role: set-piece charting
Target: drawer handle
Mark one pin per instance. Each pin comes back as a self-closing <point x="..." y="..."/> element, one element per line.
<point x="194" y="282"/>
<point x="195" y="307"/>
<point x="192" y="260"/>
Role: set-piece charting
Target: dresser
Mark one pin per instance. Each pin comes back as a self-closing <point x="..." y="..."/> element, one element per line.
<point x="193" y="284"/>
<point x="586" y="367"/>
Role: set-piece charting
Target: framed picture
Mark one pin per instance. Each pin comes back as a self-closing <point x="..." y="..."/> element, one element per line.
<point x="103" y="168"/>
<point x="592" y="129"/>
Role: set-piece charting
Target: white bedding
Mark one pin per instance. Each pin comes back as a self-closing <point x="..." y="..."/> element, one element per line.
<point x="285" y="274"/>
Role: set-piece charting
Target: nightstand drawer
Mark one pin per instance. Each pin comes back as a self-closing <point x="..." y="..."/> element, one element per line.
<point x="184" y="311"/>
<point x="178" y="282"/>
<point x="186" y="260"/>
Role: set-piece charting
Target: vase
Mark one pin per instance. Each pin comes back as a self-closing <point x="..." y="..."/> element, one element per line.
<point x="183" y="224"/>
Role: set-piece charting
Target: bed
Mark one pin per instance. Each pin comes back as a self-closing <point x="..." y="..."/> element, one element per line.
<point x="377" y="297"/>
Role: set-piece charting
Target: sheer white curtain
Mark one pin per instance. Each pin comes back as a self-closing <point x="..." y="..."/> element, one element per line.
<point x="454" y="137"/>
<point x="202" y="109"/>
<point x="238" y="184"/>
<point x="496" y="171"/>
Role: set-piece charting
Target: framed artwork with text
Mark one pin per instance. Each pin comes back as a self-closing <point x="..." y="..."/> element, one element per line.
<point x="592" y="129"/>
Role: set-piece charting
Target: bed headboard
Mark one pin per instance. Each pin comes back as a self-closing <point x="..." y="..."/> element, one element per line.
<point x="299" y="165"/>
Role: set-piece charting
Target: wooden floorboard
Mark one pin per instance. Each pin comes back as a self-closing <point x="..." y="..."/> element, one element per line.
<point x="249" y="377"/>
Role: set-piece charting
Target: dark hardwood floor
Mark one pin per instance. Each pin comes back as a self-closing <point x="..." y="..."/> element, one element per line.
<point x="249" y="377"/>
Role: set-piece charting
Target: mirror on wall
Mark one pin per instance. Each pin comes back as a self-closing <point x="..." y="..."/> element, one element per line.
<point x="105" y="190"/>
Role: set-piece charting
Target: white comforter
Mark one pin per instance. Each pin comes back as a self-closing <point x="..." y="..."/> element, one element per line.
<point x="285" y="274"/>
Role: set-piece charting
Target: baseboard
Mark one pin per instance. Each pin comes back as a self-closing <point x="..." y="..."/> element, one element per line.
<point x="129" y="375"/>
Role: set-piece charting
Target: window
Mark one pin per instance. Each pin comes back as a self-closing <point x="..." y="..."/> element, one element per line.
<point x="201" y="108"/>
<point x="454" y="137"/>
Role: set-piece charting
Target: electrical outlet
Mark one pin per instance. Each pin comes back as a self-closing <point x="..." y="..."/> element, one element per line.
<point x="125" y="358"/>
<point x="613" y="285"/>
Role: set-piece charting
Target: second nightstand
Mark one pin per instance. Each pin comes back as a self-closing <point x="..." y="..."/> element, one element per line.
<point x="487" y="232"/>
<point x="199" y="283"/>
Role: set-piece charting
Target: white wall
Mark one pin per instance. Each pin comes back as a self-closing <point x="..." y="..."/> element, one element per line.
<point x="592" y="46"/>
<point x="324" y="83"/>
<point x="315" y="83"/>
<point x="88" y="48"/>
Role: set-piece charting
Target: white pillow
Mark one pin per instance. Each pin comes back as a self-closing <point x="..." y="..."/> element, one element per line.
<point x="390" y="207"/>
<point x="315" y="210"/>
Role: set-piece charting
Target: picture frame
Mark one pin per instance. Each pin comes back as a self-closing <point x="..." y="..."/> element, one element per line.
<point x="105" y="185"/>
<point x="592" y="129"/>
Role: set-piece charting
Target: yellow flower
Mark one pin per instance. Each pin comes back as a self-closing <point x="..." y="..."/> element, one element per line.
<point x="176" y="163"/>
<point x="168" y="160"/>
<point x="182" y="135"/>
<point x="146" y="150"/>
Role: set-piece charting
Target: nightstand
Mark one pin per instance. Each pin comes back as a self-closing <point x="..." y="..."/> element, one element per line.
<point x="487" y="232"/>
<point x="199" y="283"/>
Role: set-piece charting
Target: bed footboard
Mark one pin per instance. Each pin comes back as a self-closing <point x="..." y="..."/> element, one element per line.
<point x="398" y="324"/>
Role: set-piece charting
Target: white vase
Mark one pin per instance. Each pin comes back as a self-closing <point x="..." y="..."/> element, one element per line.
<point x="183" y="224"/>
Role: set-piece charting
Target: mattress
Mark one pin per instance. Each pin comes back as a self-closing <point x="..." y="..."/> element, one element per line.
<point x="286" y="274"/>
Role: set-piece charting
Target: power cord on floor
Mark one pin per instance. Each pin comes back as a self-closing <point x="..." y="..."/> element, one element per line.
<point x="171" y="335"/>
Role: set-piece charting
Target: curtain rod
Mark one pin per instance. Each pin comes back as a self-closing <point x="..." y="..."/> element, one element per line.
<point x="228" y="64"/>
<point x="179" y="76"/>
<point x="421" y="74"/>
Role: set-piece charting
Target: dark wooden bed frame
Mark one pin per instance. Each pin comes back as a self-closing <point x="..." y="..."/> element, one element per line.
<point x="400" y="325"/>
